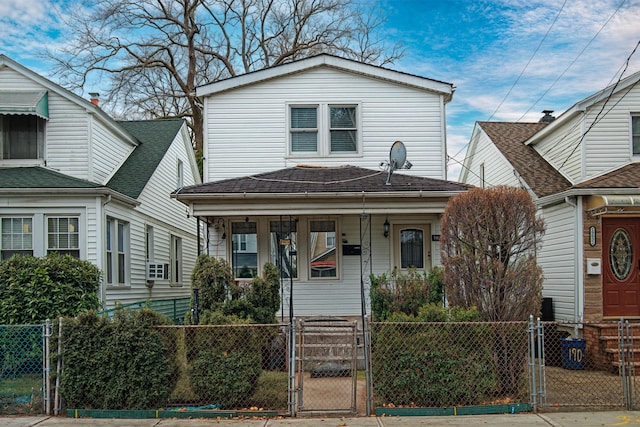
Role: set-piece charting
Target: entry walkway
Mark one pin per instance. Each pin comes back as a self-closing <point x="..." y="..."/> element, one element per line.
<point x="560" y="419"/>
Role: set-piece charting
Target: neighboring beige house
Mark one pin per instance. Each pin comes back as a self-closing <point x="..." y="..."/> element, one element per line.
<point x="582" y="171"/>
<point x="296" y="173"/>
<point x="75" y="181"/>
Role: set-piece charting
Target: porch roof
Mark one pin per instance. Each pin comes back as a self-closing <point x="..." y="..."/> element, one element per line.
<point x="309" y="190"/>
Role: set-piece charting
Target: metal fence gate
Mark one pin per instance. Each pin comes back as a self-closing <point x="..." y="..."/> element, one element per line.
<point x="572" y="365"/>
<point x="326" y="365"/>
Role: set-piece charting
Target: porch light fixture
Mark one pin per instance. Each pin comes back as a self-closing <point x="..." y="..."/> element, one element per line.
<point x="385" y="227"/>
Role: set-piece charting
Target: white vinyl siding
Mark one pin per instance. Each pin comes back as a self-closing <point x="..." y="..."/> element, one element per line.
<point x="562" y="149"/>
<point x="489" y="163"/>
<point x="108" y="151"/>
<point x="249" y="126"/>
<point x="557" y="257"/>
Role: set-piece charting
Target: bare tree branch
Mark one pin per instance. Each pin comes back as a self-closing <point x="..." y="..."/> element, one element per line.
<point x="155" y="53"/>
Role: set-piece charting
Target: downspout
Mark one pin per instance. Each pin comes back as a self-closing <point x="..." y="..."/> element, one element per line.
<point x="578" y="296"/>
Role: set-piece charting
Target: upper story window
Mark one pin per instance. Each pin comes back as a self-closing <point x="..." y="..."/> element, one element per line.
<point x="22" y="124"/>
<point x="180" y="175"/>
<point x="21" y="137"/>
<point x="635" y="134"/>
<point x="323" y="129"/>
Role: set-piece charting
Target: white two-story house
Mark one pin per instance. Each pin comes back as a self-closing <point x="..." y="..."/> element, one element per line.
<point x="583" y="171"/>
<point x="296" y="173"/>
<point x="75" y="181"/>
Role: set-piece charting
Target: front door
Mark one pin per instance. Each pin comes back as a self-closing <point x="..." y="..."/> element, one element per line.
<point x="621" y="264"/>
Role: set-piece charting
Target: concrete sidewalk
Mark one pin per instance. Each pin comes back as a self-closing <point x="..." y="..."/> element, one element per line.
<point x="558" y="419"/>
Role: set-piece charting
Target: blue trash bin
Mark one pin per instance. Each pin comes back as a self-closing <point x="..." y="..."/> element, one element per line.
<point x="573" y="352"/>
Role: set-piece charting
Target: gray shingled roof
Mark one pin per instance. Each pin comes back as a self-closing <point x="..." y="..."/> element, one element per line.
<point x="155" y="137"/>
<point x="627" y="176"/>
<point x="40" y="177"/>
<point x="310" y="179"/>
<point x="509" y="138"/>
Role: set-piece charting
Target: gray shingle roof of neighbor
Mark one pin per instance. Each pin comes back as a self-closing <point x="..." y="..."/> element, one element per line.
<point x="338" y="179"/>
<point x="509" y="138"/>
<point x="155" y="137"/>
<point x="627" y="176"/>
<point x="40" y="177"/>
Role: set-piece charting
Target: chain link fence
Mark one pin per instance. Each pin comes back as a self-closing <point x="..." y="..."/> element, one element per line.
<point x="552" y="365"/>
<point x="232" y="367"/>
<point x="21" y="369"/>
<point x="449" y="364"/>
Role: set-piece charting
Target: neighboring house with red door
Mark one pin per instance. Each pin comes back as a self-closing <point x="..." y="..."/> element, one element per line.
<point x="583" y="172"/>
<point x="75" y="181"/>
<point x="296" y="173"/>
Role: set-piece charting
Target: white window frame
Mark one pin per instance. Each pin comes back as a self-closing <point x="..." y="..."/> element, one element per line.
<point x="323" y="129"/>
<point x="175" y="256"/>
<point x="149" y="237"/>
<point x="70" y="232"/>
<point x="179" y="174"/>
<point x="120" y="253"/>
<point x="24" y="233"/>
<point x="634" y="117"/>
<point x="310" y="248"/>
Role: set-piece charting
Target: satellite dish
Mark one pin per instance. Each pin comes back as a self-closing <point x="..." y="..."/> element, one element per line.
<point x="397" y="159"/>
<point x="397" y="155"/>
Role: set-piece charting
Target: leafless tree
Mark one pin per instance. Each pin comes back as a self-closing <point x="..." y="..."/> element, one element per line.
<point x="155" y="53"/>
<point x="489" y="242"/>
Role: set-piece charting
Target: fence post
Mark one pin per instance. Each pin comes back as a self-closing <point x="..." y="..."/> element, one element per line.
<point x="47" y="367"/>
<point x="542" y="378"/>
<point x="532" y="365"/>
<point x="367" y="363"/>
<point x="291" y="400"/>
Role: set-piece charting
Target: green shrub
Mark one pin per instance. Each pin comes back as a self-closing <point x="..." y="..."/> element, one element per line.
<point x="433" y="365"/>
<point x="404" y="293"/>
<point x="228" y="378"/>
<point x="35" y="289"/>
<point x="213" y="277"/>
<point x="117" y="364"/>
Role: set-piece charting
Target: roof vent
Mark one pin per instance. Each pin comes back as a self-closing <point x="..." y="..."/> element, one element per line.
<point x="94" y="97"/>
<point x="547" y="118"/>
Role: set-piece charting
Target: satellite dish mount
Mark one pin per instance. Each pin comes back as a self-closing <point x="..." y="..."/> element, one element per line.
<point x="397" y="160"/>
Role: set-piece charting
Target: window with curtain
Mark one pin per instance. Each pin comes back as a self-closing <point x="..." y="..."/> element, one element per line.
<point x="244" y="255"/>
<point x="63" y="236"/>
<point x="343" y="129"/>
<point x="304" y="129"/>
<point x="283" y="247"/>
<point x="17" y="237"/>
<point x="412" y="248"/>
<point x="323" y="252"/>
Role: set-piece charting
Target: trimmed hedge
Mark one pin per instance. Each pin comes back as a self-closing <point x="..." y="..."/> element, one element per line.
<point x="117" y="364"/>
<point x="35" y="289"/>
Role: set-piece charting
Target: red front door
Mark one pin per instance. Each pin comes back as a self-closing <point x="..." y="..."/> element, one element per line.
<point x="621" y="262"/>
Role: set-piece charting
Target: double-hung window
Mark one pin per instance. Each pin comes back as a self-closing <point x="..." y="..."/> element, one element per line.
<point x="323" y="129"/>
<point x="63" y="236"/>
<point x="176" y="260"/>
<point x="635" y="134"/>
<point x="244" y="256"/>
<point x="117" y="250"/>
<point x="283" y="247"/>
<point x="17" y="237"/>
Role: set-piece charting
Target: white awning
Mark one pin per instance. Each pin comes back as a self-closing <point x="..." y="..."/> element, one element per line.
<point x="25" y="102"/>
<point x="614" y="204"/>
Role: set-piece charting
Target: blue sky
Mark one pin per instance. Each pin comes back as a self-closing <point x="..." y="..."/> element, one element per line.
<point x="508" y="59"/>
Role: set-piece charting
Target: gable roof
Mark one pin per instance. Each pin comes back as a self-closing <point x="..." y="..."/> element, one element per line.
<point x="339" y="180"/>
<point x="625" y="84"/>
<point x="155" y="138"/>
<point x="331" y="61"/>
<point x="539" y="175"/>
<point x="627" y="176"/>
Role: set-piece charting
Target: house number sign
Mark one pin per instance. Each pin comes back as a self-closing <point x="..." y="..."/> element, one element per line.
<point x="592" y="236"/>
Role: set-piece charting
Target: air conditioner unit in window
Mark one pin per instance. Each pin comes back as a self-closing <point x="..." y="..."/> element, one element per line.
<point x="157" y="271"/>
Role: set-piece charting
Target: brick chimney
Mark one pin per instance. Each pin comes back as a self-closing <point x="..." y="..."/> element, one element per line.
<point x="94" y="98"/>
